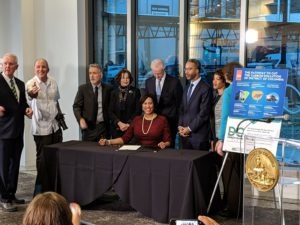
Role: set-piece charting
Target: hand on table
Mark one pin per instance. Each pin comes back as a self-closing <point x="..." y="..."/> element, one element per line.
<point x="162" y="145"/>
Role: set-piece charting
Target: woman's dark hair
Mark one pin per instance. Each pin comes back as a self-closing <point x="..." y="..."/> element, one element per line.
<point x="119" y="76"/>
<point x="48" y="208"/>
<point x="144" y="97"/>
<point x="228" y="70"/>
<point x="220" y="73"/>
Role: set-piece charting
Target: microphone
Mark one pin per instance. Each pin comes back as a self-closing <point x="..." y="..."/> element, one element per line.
<point x="271" y="118"/>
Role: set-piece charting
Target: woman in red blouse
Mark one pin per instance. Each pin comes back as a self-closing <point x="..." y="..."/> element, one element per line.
<point x="149" y="129"/>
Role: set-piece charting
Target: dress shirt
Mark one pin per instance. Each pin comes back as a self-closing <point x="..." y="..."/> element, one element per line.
<point x="100" y="109"/>
<point x="44" y="106"/>
<point x="194" y="85"/>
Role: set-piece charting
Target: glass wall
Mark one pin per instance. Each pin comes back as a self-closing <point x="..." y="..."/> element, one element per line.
<point x="110" y="36"/>
<point x="157" y="26"/>
<point x="213" y="37"/>
<point x="214" y="33"/>
<point x="275" y="29"/>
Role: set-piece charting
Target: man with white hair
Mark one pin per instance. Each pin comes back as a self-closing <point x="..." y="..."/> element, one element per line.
<point x="168" y="91"/>
<point x="13" y="107"/>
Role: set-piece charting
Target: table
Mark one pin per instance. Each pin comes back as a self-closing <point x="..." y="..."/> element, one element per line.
<point x="161" y="185"/>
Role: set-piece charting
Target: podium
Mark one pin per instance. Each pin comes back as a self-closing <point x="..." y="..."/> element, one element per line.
<point x="281" y="205"/>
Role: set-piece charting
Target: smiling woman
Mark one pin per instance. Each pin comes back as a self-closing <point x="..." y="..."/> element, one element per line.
<point x="150" y="129"/>
<point x="124" y="103"/>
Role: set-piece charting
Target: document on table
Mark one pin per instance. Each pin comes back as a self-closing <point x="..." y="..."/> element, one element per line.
<point x="130" y="147"/>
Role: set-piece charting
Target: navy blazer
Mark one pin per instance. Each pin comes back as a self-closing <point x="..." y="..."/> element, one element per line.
<point x="12" y="123"/>
<point x="196" y="113"/>
<point x="170" y="98"/>
<point x="84" y="103"/>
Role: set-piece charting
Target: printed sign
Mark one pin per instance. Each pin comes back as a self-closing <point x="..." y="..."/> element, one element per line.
<point x="258" y="93"/>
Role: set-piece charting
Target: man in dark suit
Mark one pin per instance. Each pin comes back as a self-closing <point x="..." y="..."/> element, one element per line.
<point x="194" y="125"/>
<point x="91" y="106"/>
<point x="13" y="107"/>
<point x="168" y="92"/>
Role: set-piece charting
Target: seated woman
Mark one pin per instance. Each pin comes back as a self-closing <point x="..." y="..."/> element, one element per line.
<point x="149" y="129"/>
<point x="51" y="208"/>
<point x="124" y="103"/>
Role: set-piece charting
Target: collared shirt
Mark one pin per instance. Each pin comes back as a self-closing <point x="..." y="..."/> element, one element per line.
<point x="100" y="109"/>
<point x="7" y="79"/>
<point x="195" y="83"/>
<point x="44" y="106"/>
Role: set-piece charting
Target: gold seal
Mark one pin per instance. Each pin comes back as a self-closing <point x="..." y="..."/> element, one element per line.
<point x="262" y="169"/>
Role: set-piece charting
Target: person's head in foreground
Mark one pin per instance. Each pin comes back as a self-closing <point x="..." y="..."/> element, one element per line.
<point x="50" y="208"/>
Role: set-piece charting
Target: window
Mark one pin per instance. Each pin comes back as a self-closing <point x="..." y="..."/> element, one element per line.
<point x="110" y="36"/>
<point x="214" y="33"/>
<point x="277" y="46"/>
<point x="157" y="37"/>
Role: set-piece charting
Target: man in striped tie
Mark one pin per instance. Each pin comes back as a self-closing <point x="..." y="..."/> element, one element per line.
<point x="13" y="107"/>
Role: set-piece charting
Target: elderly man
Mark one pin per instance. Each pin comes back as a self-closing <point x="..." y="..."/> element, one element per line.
<point x="13" y="107"/>
<point x="91" y="106"/>
<point x="168" y="92"/>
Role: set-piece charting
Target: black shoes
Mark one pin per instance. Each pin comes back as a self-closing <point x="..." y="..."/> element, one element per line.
<point x="17" y="201"/>
<point x="8" y="206"/>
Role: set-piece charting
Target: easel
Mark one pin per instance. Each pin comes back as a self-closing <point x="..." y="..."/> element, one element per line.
<point x="224" y="161"/>
<point x="217" y="182"/>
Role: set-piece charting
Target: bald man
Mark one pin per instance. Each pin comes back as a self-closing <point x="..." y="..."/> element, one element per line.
<point x="43" y="95"/>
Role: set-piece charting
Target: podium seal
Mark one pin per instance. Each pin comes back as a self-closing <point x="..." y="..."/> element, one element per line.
<point x="262" y="169"/>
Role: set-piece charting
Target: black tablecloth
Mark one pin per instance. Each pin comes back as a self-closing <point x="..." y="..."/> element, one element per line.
<point x="161" y="185"/>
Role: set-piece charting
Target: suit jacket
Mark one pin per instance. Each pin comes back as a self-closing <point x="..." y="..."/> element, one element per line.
<point x="132" y="106"/>
<point x="196" y="113"/>
<point x="12" y="123"/>
<point x="170" y="98"/>
<point x="84" y="103"/>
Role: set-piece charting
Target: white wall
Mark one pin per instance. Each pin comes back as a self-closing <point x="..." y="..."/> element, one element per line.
<point x="48" y="29"/>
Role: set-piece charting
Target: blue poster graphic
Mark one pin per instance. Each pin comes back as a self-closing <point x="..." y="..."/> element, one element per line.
<point x="258" y="93"/>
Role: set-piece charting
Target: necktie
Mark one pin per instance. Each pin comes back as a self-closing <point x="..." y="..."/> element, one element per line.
<point x="158" y="89"/>
<point x="13" y="88"/>
<point x="96" y="94"/>
<point x="190" y="92"/>
<point x="96" y="102"/>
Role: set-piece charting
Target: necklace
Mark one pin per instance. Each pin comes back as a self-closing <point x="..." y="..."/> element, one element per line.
<point x="149" y="125"/>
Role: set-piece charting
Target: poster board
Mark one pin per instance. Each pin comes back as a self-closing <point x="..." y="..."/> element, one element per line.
<point x="257" y="94"/>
